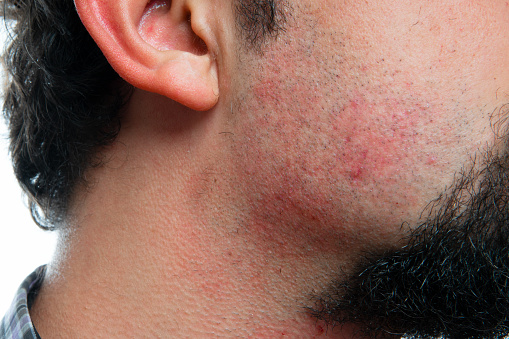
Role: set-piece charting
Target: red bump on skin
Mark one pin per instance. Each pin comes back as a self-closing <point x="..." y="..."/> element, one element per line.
<point x="432" y="160"/>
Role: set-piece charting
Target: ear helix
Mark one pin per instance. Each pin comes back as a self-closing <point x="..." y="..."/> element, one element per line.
<point x="157" y="46"/>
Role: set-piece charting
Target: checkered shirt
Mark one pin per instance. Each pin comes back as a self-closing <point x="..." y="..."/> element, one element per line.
<point x="16" y="323"/>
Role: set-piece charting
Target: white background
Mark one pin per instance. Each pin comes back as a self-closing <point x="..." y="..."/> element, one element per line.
<point x="23" y="246"/>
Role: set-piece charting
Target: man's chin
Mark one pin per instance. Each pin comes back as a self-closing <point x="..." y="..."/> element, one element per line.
<point x="450" y="281"/>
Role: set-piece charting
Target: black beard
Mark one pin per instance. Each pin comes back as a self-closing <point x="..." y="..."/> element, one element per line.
<point x="450" y="281"/>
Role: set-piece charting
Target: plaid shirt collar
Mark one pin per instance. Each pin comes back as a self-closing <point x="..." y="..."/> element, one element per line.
<point x="16" y="323"/>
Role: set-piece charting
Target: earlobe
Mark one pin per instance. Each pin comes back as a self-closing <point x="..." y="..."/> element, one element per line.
<point x="162" y="46"/>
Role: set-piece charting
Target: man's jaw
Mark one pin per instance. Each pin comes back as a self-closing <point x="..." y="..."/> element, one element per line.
<point x="452" y="278"/>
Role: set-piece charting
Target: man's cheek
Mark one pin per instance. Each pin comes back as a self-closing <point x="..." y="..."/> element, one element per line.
<point x="378" y="141"/>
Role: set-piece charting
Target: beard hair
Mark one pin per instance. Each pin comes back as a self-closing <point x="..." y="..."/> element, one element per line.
<point x="451" y="280"/>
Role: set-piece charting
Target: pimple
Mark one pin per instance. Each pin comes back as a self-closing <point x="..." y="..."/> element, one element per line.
<point x="431" y="160"/>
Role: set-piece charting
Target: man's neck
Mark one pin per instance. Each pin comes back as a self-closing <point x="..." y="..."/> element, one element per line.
<point x="185" y="282"/>
<point x="139" y="258"/>
<point x="161" y="244"/>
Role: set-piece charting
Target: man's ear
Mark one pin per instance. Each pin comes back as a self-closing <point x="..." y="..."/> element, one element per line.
<point x="161" y="46"/>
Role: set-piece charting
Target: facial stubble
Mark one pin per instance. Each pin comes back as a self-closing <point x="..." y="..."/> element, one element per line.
<point x="451" y="280"/>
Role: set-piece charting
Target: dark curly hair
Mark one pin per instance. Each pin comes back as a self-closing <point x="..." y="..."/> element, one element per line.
<point x="63" y="101"/>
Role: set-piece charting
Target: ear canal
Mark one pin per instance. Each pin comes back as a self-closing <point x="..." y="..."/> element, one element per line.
<point x="166" y="28"/>
<point x="157" y="46"/>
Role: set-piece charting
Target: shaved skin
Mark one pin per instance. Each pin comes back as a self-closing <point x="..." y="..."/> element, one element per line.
<point x="375" y="148"/>
<point x="351" y="182"/>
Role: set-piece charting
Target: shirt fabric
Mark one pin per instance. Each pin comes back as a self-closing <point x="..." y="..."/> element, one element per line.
<point x="16" y="323"/>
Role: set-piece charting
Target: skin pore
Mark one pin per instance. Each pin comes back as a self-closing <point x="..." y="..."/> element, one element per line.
<point x="395" y="145"/>
<point x="274" y="213"/>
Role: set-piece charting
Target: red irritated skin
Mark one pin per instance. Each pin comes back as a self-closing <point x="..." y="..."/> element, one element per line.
<point x="324" y="141"/>
<point x="361" y="113"/>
